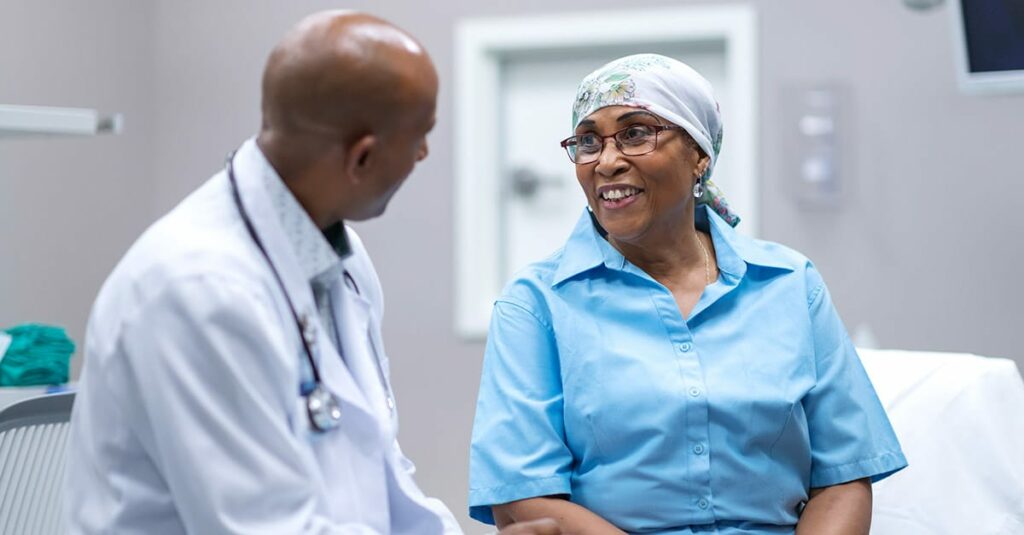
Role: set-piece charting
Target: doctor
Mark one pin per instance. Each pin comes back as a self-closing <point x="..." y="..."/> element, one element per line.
<point x="235" y="380"/>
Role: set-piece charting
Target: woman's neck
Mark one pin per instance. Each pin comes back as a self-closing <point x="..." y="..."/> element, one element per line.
<point x="667" y="252"/>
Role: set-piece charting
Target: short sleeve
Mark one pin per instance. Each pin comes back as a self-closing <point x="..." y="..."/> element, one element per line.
<point x="850" y="434"/>
<point x="518" y="448"/>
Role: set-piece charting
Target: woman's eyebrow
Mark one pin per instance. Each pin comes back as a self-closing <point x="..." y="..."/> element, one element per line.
<point x="626" y="116"/>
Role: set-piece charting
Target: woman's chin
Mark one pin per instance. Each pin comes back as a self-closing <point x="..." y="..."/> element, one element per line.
<point x="621" y="229"/>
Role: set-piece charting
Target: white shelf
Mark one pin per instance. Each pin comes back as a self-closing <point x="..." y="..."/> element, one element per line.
<point x="23" y="121"/>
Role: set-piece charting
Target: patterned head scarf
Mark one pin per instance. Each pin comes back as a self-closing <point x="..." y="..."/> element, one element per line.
<point x="667" y="88"/>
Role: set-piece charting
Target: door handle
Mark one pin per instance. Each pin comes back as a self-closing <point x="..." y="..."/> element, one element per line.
<point x="526" y="182"/>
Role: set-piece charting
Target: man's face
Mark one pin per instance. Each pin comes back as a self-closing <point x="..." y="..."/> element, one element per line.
<point x="403" y="146"/>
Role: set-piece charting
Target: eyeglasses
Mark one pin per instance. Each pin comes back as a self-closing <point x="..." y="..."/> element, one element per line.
<point x="634" y="140"/>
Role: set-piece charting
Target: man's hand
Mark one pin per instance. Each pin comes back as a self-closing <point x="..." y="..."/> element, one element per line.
<point x="544" y="526"/>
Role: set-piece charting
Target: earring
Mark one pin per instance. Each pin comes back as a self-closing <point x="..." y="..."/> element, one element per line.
<point x="698" y="189"/>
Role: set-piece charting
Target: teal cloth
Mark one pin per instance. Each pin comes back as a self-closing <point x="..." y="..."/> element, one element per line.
<point x="38" y="355"/>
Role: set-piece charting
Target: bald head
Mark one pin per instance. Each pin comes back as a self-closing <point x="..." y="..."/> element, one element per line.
<point x="348" y="101"/>
<point x="341" y="74"/>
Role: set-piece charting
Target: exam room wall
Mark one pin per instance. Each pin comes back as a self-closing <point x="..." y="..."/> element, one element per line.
<point x="69" y="207"/>
<point x="923" y="248"/>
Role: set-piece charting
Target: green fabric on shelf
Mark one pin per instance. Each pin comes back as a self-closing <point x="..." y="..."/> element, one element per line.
<point x="38" y="355"/>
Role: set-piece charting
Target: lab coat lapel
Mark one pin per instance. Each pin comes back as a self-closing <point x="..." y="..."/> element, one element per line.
<point x="257" y="204"/>
<point x="353" y="314"/>
<point x="381" y="358"/>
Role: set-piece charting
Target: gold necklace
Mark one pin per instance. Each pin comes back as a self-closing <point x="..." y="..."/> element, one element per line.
<point x="707" y="260"/>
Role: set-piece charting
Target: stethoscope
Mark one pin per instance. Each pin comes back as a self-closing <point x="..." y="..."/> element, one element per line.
<point x="323" y="407"/>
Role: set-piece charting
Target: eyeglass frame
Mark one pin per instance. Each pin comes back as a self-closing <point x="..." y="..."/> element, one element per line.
<point x="658" y="128"/>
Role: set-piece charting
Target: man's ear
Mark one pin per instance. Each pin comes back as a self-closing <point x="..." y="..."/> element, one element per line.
<point x="361" y="156"/>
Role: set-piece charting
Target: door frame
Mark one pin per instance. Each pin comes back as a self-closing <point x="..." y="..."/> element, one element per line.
<point x="480" y="46"/>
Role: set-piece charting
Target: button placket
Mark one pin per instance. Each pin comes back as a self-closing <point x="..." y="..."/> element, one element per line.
<point x="696" y="430"/>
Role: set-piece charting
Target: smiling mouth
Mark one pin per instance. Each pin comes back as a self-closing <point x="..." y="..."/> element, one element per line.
<point x="619" y="197"/>
<point x="620" y="194"/>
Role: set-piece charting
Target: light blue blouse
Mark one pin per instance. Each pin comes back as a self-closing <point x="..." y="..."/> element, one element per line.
<point x="594" y="386"/>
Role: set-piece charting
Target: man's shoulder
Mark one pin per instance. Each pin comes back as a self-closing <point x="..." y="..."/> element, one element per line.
<point x="194" y="254"/>
<point x="199" y="237"/>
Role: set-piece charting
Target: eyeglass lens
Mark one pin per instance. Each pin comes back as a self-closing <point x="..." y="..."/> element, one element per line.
<point x="634" y="140"/>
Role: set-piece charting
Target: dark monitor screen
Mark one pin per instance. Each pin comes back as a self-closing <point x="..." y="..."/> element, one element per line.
<point x="994" y="34"/>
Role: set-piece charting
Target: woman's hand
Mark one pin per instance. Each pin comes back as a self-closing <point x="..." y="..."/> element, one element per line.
<point x="572" y="518"/>
<point x="843" y="509"/>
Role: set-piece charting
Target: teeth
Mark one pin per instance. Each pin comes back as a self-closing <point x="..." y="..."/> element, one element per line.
<point x="616" y="194"/>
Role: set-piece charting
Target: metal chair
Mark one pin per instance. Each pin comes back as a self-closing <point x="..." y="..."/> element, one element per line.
<point x="33" y="435"/>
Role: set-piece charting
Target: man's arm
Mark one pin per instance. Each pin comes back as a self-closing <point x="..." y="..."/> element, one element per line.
<point x="843" y="509"/>
<point x="573" y="518"/>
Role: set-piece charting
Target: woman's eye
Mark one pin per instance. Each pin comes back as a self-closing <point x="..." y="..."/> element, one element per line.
<point x="587" y="142"/>
<point x="635" y="133"/>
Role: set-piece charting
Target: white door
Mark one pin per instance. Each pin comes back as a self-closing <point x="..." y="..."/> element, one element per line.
<point x="540" y="198"/>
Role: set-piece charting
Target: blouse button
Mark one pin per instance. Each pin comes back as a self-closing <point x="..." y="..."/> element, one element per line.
<point x="685" y="347"/>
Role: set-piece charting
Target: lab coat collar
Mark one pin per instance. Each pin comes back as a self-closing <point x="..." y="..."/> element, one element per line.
<point x="249" y="165"/>
<point x="318" y="252"/>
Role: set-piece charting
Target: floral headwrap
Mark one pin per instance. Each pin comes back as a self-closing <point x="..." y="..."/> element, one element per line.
<point x="670" y="89"/>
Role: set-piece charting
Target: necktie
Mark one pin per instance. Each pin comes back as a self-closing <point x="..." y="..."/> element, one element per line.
<point x="323" y="287"/>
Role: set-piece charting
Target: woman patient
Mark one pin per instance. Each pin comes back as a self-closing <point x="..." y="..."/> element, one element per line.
<point x="661" y="373"/>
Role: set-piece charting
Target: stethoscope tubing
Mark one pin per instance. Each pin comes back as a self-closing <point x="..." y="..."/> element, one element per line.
<point x="322" y="406"/>
<point x="318" y="395"/>
<point x="259" y="245"/>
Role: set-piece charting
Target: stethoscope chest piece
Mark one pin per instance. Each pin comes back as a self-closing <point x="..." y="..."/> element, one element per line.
<point x="324" y="409"/>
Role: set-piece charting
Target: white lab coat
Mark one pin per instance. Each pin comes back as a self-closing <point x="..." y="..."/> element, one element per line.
<point x="189" y="417"/>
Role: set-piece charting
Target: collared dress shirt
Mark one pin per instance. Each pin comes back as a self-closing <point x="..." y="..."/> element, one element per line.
<point x="595" y="387"/>
<point x="319" y="253"/>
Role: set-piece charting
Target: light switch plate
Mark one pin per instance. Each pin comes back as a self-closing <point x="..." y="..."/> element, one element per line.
<point x="816" y="144"/>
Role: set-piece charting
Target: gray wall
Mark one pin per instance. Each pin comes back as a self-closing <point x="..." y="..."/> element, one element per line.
<point x="922" y="248"/>
<point x="69" y="207"/>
